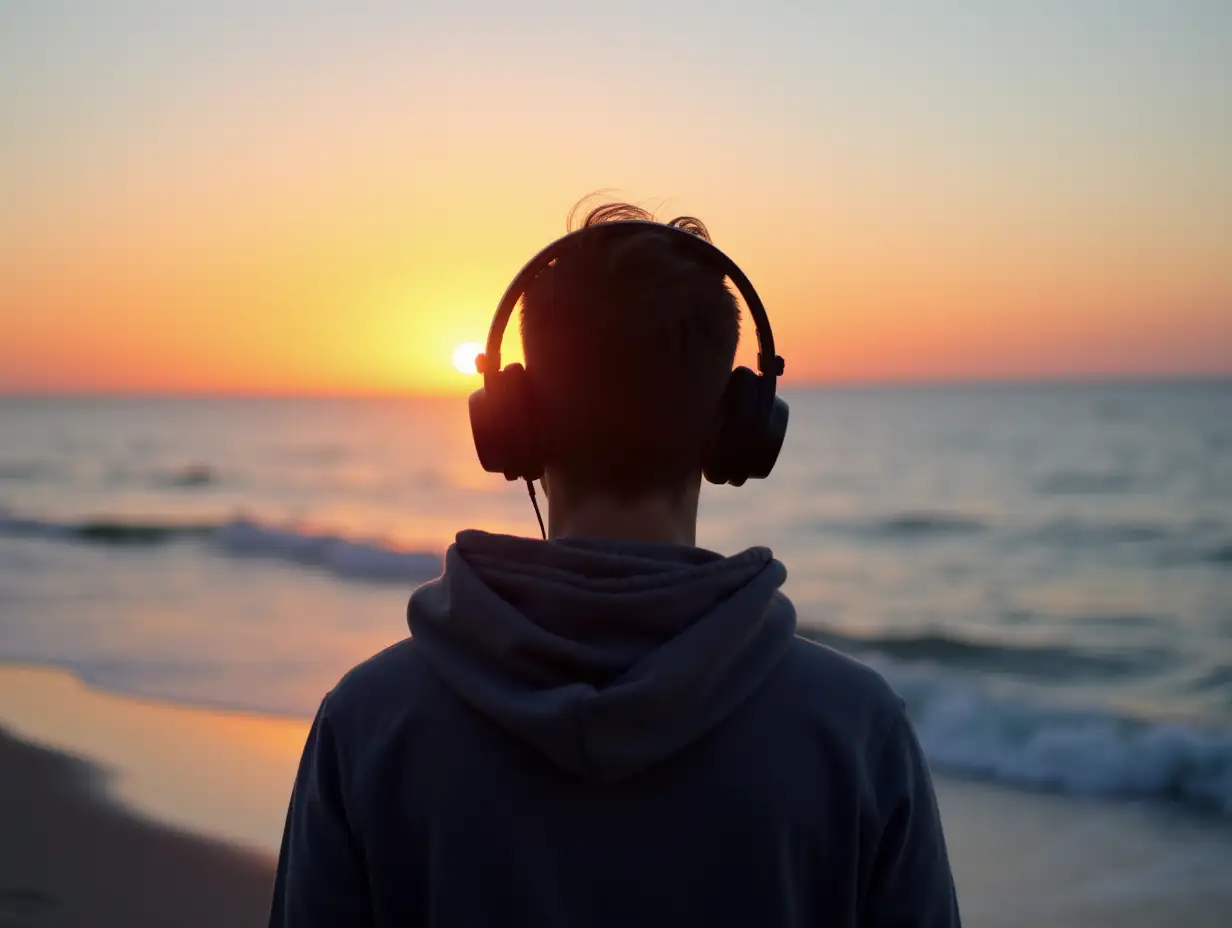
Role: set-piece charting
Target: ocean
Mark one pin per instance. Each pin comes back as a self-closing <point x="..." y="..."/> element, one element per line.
<point x="1043" y="572"/>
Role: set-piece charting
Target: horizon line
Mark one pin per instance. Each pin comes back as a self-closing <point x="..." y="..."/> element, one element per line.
<point x="809" y="385"/>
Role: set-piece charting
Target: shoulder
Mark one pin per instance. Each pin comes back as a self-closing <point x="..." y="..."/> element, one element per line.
<point x="844" y="695"/>
<point x="830" y="672"/>
<point x="391" y="681"/>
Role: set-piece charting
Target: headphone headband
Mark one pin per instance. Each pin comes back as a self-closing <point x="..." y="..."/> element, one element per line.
<point x="769" y="364"/>
<point x="750" y="421"/>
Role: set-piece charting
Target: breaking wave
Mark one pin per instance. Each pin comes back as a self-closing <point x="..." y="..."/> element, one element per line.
<point x="1053" y="662"/>
<point x="344" y="557"/>
<point x="966" y="730"/>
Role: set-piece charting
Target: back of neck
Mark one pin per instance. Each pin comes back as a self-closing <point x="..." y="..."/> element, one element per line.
<point x="652" y="519"/>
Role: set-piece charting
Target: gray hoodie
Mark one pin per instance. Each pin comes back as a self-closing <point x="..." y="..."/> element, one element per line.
<point x="601" y="733"/>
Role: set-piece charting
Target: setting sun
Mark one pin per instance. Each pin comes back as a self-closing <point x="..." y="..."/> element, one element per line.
<point x="464" y="357"/>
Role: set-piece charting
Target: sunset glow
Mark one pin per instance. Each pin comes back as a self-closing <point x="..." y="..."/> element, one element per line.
<point x="336" y="207"/>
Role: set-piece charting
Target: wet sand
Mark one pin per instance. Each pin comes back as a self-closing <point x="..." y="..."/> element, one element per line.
<point x="69" y="857"/>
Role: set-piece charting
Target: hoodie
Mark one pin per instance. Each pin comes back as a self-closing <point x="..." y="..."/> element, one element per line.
<point x="594" y="733"/>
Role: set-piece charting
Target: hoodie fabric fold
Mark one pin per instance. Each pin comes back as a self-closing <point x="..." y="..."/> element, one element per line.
<point x="603" y="734"/>
<point x="606" y="658"/>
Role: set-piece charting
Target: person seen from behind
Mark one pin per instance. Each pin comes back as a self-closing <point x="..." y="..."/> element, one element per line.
<point x="614" y="726"/>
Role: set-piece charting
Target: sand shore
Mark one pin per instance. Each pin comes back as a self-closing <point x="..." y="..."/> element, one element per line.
<point x="70" y="858"/>
<point x="79" y="843"/>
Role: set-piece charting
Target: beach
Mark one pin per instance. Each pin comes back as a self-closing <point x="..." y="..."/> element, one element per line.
<point x="252" y="336"/>
<point x="69" y="856"/>
<point x="1046" y="586"/>
<point x="130" y="813"/>
<point x="134" y="812"/>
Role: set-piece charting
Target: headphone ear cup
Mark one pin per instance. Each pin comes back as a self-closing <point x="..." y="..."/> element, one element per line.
<point x="485" y="431"/>
<point x="521" y="424"/>
<point x="503" y="426"/>
<point x="746" y="444"/>
<point x="767" y="440"/>
<point x="725" y="462"/>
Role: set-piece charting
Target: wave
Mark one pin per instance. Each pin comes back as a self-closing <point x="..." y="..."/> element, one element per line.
<point x="188" y="477"/>
<point x="967" y="730"/>
<point x="1052" y="662"/>
<point x="1161" y="545"/>
<point x="1079" y="483"/>
<point x="1078" y="533"/>
<point x="344" y="557"/>
<point x="23" y="470"/>
<point x="1154" y="544"/>
<point x="928" y="524"/>
<point x="1221" y="555"/>
<point x="367" y="560"/>
<point x="906" y="526"/>
<point x="103" y="531"/>
<point x="1216" y="678"/>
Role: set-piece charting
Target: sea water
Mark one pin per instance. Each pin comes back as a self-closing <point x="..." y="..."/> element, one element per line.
<point x="1043" y="572"/>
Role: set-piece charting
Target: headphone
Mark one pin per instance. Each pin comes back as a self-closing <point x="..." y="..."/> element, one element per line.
<point x="752" y="419"/>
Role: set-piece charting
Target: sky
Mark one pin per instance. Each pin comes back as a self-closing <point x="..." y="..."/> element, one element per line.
<point x="281" y="197"/>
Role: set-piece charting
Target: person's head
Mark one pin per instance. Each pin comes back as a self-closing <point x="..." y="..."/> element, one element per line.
<point x="629" y="346"/>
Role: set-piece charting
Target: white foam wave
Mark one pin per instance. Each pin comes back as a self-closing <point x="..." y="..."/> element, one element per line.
<point x="344" y="557"/>
<point x="968" y="730"/>
<point x="341" y="556"/>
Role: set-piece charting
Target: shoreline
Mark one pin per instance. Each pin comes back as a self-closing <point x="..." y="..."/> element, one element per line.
<point x="224" y="775"/>
<point x="69" y="855"/>
<point x="124" y="805"/>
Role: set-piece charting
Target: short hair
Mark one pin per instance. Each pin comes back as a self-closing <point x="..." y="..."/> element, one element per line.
<point x="629" y="346"/>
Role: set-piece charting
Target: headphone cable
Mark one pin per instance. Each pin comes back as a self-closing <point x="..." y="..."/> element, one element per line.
<point x="530" y="485"/>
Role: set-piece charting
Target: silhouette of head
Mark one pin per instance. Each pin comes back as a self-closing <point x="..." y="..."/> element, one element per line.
<point x="628" y="348"/>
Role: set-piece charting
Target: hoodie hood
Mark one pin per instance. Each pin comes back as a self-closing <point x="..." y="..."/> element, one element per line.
<point x="607" y="657"/>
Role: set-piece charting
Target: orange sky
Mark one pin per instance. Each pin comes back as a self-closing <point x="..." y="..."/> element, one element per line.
<point x="251" y="199"/>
